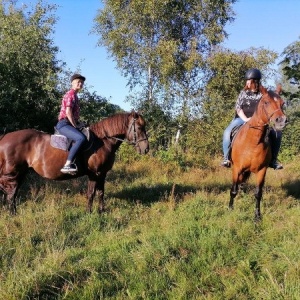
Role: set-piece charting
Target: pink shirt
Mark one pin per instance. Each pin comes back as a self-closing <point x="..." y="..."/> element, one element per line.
<point x="70" y="99"/>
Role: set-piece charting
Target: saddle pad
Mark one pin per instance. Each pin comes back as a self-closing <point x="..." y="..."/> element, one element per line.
<point x="60" y="142"/>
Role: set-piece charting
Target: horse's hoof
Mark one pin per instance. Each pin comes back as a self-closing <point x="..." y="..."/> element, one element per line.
<point x="101" y="210"/>
<point x="257" y="218"/>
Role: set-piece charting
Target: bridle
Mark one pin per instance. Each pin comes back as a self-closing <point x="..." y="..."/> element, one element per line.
<point x="131" y="129"/>
<point x="268" y="117"/>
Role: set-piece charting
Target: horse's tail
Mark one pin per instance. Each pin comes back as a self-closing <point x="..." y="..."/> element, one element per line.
<point x="3" y="134"/>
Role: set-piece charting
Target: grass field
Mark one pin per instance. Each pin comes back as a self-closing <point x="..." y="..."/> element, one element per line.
<point x="166" y="234"/>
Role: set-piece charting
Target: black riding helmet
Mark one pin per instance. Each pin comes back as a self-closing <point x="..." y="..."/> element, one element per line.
<point x="77" y="76"/>
<point x="253" y="74"/>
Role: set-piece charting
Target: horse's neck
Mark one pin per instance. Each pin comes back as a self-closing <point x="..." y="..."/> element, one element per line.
<point x="112" y="132"/>
<point x="113" y="143"/>
<point x="255" y="121"/>
<point x="257" y="127"/>
<point x="107" y="131"/>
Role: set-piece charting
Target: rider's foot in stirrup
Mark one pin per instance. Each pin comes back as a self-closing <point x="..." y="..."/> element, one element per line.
<point x="276" y="165"/>
<point x="69" y="168"/>
<point x="226" y="163"/>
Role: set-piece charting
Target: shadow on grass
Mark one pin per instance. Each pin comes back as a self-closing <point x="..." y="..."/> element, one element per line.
<point x="292" y="188"/>
<point x="159" y="192"/>
<point x="147" y="195"/>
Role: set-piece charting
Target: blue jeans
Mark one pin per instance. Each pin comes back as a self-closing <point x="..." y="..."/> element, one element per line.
<point x="226" y="136"/>
<point x="65" y="128"/>
<point x="275" y="138"/>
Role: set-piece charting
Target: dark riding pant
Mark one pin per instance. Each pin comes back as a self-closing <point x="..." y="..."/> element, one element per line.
<point x="275" y="141"/>
<point x="65" y="128"/>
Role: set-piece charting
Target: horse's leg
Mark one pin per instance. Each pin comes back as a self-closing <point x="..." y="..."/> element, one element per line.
<point x="10" y="186"/>
<point x="236" y="179"/>
<point x="233" y="193"/>
<point x="260" y="181"/>
<point x="3" y="199"/>
<point x="11" y="198"/>
<point x="90" y="194"/>
<point x="100" y="192"/>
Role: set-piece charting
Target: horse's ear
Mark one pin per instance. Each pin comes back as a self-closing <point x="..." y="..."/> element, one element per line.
<point x="279" y="88"/>
<point x="134" y="114"/>
<point x="263" y="90"/>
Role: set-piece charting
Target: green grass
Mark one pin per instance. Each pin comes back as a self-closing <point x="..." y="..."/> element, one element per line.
<point x="166" y="234"/>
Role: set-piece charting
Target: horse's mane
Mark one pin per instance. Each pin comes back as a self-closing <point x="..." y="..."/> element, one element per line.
<point x="2" y="136"/>
<point x="111" y="126"/>
<point x="272" y="93"/>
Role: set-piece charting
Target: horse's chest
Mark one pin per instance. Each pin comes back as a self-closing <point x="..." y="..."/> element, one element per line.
<point x="101" y="160"/>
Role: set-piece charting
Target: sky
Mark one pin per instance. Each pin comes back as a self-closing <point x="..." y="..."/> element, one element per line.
<point x="271" y="24"/>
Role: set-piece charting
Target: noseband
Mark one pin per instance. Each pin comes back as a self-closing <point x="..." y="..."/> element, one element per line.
<point x="269" y="117"/>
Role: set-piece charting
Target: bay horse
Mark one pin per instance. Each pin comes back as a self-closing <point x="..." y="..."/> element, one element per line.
<point x="251" y="151"/>
<point x="29" y="148"/>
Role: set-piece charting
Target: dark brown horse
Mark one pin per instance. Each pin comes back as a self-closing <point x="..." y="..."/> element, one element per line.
<point x="29" y="148"/>
<point x="251" y="152"/>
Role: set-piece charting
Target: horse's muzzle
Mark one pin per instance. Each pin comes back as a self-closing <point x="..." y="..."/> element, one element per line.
<point x="142" y="147"/>
<point x="280" y="122"/>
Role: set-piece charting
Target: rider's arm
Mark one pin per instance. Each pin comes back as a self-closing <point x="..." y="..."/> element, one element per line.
<point x="70" y="117"/>
<point x="241" y="114"/>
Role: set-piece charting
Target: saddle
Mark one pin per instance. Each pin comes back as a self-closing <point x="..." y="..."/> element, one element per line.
<point x="233" y="134"/>
<point x="60" y="141"/>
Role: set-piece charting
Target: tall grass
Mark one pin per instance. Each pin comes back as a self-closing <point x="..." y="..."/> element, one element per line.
<point x="166" y="234"/>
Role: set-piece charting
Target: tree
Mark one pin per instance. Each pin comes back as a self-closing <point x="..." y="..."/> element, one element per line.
<point x="93" y="107"/>
<point x="290" y="66"/>
<point x="28" y="68"/>
<point x="162" y="45"/>
<point x="291" y="69"/>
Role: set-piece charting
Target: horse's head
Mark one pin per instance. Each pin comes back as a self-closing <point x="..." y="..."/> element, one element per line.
<point x="271" y="108"/>
<point x="136" y="133"/>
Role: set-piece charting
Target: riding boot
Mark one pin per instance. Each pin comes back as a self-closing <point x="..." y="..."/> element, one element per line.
<point x="275" y="164"/>
<point x="226" y="163"/>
